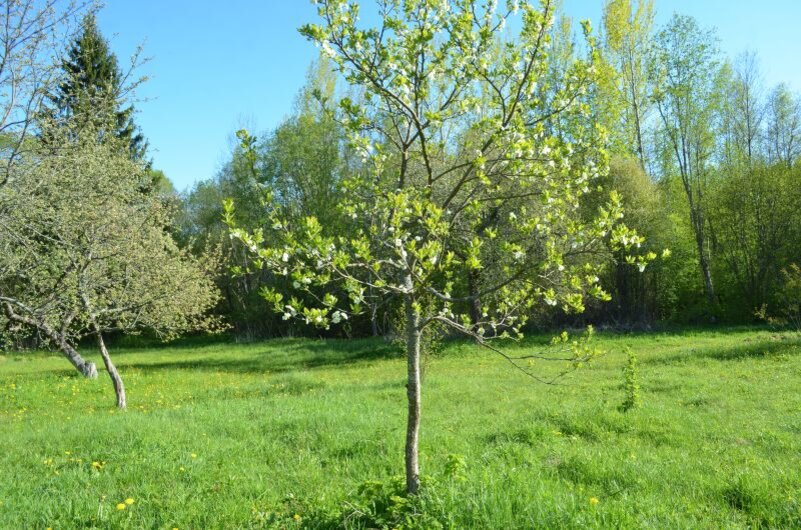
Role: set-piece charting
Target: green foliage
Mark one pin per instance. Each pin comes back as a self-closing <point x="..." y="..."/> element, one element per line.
<point x="685" y="76"/>
<point x="755" y="211"/>
<point x="490" y="185"/>
<point x="386" y="505"/>
<point x="94" y="88"/>
<point x="631" y="384"/>
<point x="455" y="467"/>
<point x="84" y="252"/>
<point x="789" y="299"/>
<point x="624" y="99"/>
<point x="704" y="160"/>
<point x="300" y="164"/>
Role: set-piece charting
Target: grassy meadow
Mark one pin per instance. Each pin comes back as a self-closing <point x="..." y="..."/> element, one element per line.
<point x="309" y="434"/>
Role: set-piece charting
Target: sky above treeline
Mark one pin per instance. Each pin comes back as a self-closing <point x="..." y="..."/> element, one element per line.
<point x="216" y="66"/>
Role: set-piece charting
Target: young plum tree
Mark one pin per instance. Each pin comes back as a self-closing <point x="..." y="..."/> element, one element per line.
<point x="460" y="172"/>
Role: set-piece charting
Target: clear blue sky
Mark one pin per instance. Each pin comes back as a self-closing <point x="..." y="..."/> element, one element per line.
<point x="217" y="66"/>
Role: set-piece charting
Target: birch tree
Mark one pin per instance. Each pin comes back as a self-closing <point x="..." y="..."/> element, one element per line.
<point x="783" y="126"/>
<point x="627" y="40"/>
<point x="684" y="73"/>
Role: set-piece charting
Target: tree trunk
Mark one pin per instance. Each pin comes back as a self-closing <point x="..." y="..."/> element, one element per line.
<point x="374" y="314"/>
<point x="472" y="291"/>
<point x="116" y="380"/>
<point x="706" y="270"/>
<point x="87" y="369"/>
<point x="413" y="395"/>
<point x="708" y="285"/>
<point x="698" y="224"/>
<point x="374" y="321"/>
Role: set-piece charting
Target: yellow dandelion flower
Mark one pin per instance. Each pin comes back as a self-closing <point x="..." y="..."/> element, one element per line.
<point x="121" y="506"/>
<point x="194" y="455"/>
<point x="129" y="501"/>
<point x="296" y="517"/>
<point x="594" y="500"/>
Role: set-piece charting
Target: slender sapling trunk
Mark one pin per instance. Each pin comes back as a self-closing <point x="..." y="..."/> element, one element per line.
<point x="413" y="395"/>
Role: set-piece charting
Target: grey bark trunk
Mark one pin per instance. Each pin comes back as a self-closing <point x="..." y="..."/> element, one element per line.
<point x="374" y="319"/>
<point x="706" y="270"/>
<point x="86" y="368"/>
<point x="116" y="380"/>
<point x="708" y="285"/>
<point x="413" y="396"/>
<point x="475" y="303"/>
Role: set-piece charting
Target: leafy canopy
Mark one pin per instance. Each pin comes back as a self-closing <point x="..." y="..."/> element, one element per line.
<point x="472" y="159"/>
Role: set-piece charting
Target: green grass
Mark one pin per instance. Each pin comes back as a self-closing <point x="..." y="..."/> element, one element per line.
<point x="248" y="436"/>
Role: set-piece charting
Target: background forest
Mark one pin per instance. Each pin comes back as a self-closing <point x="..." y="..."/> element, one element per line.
<point x="704" y="155"/>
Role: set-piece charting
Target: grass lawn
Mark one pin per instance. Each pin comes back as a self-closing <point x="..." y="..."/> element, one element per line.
<point x="285" y="434"/>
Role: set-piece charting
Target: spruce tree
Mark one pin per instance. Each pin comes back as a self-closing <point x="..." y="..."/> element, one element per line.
<point x="93" y="90"/>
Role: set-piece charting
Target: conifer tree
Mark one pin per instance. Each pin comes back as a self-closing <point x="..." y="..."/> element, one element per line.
<point x="94" y="88"/>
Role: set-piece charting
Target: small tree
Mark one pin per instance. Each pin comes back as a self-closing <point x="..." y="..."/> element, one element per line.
<point x="631" y="383"/>
<point x="83" y="252"/>
<point x="783" y="131"/>
<point x="453" y="132"/>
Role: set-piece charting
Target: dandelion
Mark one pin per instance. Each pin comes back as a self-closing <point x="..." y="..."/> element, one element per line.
<point x="194" y="455"/>
<point x="129" y="501"/>
<point x="296" y="517"/>
<point x="121" y="506"/>
<point x="594" y="500"/>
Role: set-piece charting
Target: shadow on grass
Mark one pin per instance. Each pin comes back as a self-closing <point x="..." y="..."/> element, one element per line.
<point x="763" y="349"/>
<point x="280" y="356"/>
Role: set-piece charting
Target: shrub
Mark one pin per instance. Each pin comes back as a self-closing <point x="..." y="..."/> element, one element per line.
<point x="631" y="385"/>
